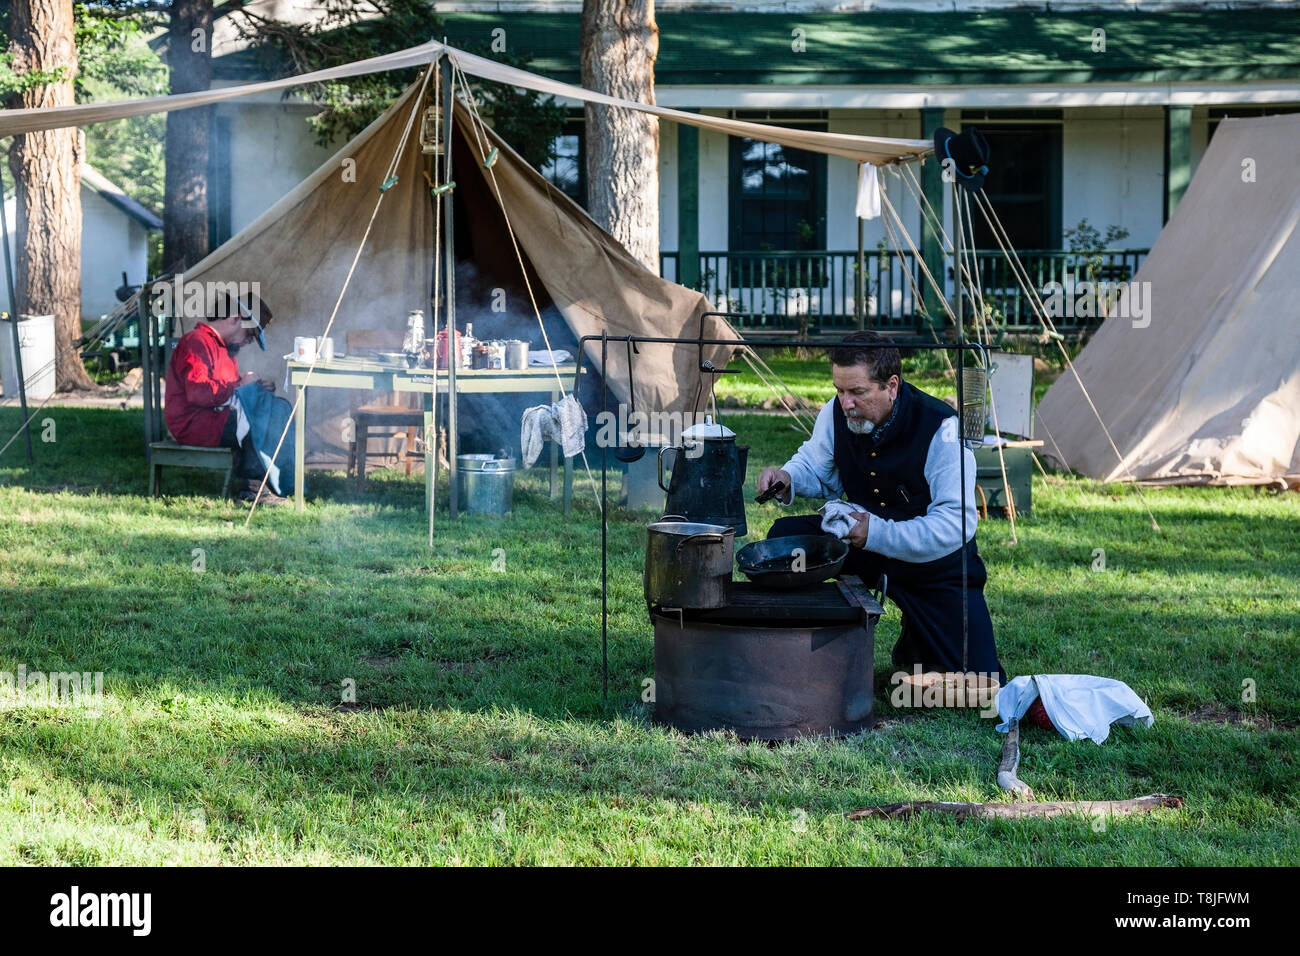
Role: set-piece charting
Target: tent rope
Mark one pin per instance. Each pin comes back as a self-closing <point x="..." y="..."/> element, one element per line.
<point x="1004" y="243"/>
<point x="917" y="294"/>
<point x="981" y="324"/>
<point x="479" y="128"/>
<point x="418" y="105"/>
<point x="749" y="358"/>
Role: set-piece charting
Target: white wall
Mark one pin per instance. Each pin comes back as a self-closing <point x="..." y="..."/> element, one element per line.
<point x="667" y="186"/>
<point x="1113" y="170"/>
<point x="111" y="242"/>
<point x="272" y="150"/>
<point x="714" y="178"/>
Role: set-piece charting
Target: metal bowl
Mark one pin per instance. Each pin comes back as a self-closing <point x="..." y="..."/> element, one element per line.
<point x="771" y="563"/>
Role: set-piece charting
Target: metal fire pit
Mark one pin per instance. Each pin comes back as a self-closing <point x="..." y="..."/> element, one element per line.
<point x="769" y="666"/>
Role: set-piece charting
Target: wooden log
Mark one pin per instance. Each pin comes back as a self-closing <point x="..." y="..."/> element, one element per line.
<point x="1011" y="811"/>
<point x="1007" y="778"/>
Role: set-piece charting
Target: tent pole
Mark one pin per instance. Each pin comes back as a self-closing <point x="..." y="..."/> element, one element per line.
<point x="604" y="521"/>
<point x="961" y="416"/>
<point x="859" y="306"/>
<point x="449" y="293"/>
<point x="13" y="323"/>
<point x="431" y="410"/>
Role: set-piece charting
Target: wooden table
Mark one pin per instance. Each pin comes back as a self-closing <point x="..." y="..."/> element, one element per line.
<point x="372" y="375"/>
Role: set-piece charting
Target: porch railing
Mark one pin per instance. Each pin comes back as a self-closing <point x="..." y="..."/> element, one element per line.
<point x="817" y="289"/>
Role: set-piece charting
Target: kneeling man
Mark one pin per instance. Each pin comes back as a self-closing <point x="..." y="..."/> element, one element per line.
<point x="891" y="449"/>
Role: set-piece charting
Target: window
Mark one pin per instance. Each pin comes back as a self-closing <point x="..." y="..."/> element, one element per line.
<point x="567" y="170"/>
<point x="778" y="194"/>
<point x="1024" y="181"/>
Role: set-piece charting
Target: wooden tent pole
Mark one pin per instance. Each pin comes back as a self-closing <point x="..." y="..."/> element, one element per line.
<point x="13" y="322"/>
<point x="453" y="352"/>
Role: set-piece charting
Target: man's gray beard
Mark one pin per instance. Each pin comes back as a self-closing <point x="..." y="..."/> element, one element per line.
<point x="859" y="426"/>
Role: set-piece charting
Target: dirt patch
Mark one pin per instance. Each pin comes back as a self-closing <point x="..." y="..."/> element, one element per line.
<point x="383" y="663"/>
<point x="1227" y="717"/>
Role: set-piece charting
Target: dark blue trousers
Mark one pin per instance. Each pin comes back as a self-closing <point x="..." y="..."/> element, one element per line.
<point x="929" y="596"/>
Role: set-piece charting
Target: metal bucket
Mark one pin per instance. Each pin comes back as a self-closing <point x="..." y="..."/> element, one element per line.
<point x="487" y="484"/>
<point x="516" y="354"/>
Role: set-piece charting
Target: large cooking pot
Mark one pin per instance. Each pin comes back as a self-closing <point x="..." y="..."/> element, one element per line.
<point x="688" y="564"/>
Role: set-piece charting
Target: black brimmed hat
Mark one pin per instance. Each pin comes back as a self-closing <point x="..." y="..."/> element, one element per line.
<point x="969" y="152"/>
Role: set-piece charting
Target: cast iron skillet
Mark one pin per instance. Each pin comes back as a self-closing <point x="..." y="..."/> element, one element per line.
<point x="769" y="563"/>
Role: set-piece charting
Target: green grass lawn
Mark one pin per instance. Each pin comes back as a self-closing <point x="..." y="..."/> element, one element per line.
<point x="479" y="734"/>
<point x="810" y="379"/>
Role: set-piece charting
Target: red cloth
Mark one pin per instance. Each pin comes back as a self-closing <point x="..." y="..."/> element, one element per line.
<point x="1036" y="715"/>
<point x="202" y="375"/>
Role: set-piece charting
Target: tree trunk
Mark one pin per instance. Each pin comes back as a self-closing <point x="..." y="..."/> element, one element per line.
<point x="619" y="44"/>
<point x="185" y="201"/>
<point x="47" y="171"/>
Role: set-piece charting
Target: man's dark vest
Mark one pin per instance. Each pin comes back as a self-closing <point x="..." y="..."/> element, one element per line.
<point x="884" y="471"/>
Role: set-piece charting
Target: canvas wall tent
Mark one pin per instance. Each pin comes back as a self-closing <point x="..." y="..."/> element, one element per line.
<point x="1209" y="391"/>
<point x="300" y="250"/>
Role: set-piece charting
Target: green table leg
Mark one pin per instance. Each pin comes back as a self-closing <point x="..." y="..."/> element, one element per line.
<point x="568" y="484"/>
<point x="299" y="450"/>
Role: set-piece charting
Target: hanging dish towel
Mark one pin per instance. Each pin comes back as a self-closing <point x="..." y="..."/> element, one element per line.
<point x="564" y="422"/>
<point x="835" y="517"/>
<point x="868" y="205"/>
<point x="1080" y="705"/>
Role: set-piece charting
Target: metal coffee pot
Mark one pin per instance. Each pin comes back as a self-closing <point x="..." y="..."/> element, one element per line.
<point x="708" y="473"/>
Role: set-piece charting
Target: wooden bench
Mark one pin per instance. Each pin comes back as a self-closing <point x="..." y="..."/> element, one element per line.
<point x="172" y="453"/>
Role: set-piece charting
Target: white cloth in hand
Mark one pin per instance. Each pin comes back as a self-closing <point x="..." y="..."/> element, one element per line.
<point x="836" y="520"/>
<point x="564" y="422"/>
<point x="1079" y="705"/>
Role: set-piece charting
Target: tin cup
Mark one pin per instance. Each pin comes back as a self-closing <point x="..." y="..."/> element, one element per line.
<point x="325" y="348"/>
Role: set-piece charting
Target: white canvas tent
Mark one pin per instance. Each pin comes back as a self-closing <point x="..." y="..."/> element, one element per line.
<point x="300" y="250"/>
<point x="1207" y="392"/>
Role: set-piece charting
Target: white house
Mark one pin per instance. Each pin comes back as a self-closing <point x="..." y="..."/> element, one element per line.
<point x="1094" y="110"/>
<point x="114" y="240"/>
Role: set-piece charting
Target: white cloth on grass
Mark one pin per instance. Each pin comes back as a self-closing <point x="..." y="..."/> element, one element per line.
<point x="835" y="517"/>
<point x="1080" y="705"/>
<point x="868" y="205"/>
<point x="563" y="421"/>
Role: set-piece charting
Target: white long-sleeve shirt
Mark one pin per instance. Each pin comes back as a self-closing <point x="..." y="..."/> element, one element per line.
<point x="933" y="535"/>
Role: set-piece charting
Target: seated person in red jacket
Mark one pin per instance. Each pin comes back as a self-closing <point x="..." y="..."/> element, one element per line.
<point x="202" y="378"/>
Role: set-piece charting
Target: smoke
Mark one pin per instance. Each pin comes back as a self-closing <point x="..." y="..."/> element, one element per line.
<point x="489" y="423"/>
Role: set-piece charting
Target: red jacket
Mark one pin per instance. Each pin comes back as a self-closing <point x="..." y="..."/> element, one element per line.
<point x="202" y="376"/>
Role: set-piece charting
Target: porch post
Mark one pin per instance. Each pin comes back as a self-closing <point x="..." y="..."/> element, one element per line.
<point x="1178" y="155"/>
<point x="688" y="205"/>
<point x="931" y="245"/>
